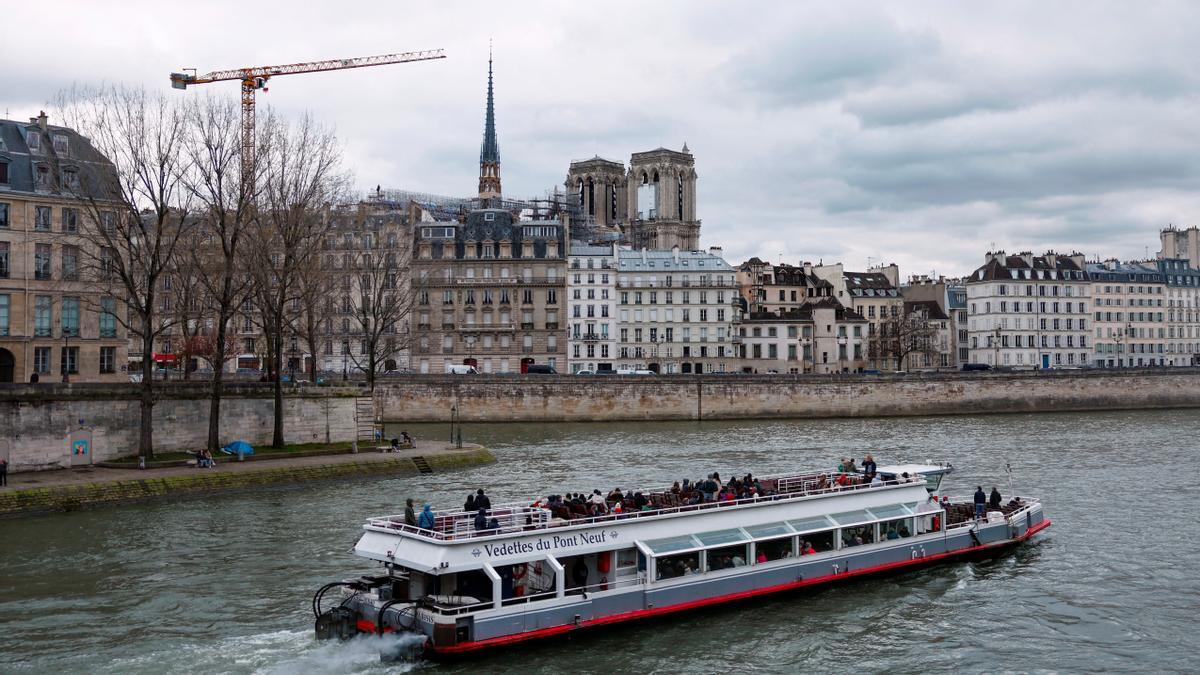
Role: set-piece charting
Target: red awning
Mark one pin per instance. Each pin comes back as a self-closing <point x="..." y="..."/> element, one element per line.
<point x="165" y="358"/>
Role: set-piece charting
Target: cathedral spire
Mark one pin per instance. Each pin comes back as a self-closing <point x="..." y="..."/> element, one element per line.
<point x="489" y="152"/>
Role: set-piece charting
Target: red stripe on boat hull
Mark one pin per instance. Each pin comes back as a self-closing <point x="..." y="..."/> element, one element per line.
<point x="658" y="611"/>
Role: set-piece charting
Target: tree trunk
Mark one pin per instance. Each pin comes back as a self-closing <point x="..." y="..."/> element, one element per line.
<point x="146" y="426"/>
<point x="276" y="356"/>
<point x="218" y="381"/>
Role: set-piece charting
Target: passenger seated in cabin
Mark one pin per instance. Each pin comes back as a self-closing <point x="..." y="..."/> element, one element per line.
<point x="481" y="521"/>
<point x="427" y="520"/>
<point x="995" y="499"/>
<point x="807" y="548"/>
<point x="892" y="533"/>
<point x="737" y="561"/>
<point x="904" y="533"/>
<point x="761" y="557"/>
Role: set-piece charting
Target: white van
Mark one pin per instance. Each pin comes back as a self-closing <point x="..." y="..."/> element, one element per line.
<point x="461" y="370"/>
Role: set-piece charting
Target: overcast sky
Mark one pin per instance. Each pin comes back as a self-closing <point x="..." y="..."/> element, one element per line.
<point x="915" y="133"/>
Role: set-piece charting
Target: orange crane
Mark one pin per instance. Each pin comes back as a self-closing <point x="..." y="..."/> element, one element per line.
<point x="256" y="78"/>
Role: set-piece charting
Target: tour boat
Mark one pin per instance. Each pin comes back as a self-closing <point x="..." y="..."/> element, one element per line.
<point x="456" y="589"/>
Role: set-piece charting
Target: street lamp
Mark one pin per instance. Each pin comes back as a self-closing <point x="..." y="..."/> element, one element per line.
<point x="66" y="370"/>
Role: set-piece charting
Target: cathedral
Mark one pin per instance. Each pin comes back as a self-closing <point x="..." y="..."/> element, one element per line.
<point x="652" y="204"/>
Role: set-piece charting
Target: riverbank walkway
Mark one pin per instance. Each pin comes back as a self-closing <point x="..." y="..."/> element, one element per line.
<point x="93" y="486"/>
<point x="96" y="474"/>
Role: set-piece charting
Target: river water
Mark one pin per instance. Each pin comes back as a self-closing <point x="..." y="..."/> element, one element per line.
<point x="223" y="584"/>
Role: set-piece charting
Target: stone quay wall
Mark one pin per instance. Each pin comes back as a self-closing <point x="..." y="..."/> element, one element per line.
<point x="42" y="425"/>
<point x="715" y="397"/>
<point x="204" y="483"/>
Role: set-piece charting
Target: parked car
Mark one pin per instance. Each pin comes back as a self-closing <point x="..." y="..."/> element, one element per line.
<point x="969" y="367"/>
<point x="540" y="369"/>
<point x="585" y="371"/>
<point x="644" y="372"/>
<point x="461" y="370"/>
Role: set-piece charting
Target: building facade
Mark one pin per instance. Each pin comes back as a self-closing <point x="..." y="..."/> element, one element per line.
<point x="54" y="321"/>
<point x="1180" y="244"/>
<point x="1183" y="311"/>
<point x="1129" y="313"/>
<point x="874" y="294"/>
<point x="592" y="291"/>
<point x="489" y="292"/>
<point x="675" y="311"/>
<point x="1030" y="311"/>
<point x="780" y="288"/>
<point x="819" y="337"/>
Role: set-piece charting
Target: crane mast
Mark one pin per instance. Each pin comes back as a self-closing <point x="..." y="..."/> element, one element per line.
<point x="256" y="77"/>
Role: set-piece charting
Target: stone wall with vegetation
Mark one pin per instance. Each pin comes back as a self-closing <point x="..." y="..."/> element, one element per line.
<point x="606" y="398"/>
<point x="39" y="423"/>
<point x="201" y="483"/>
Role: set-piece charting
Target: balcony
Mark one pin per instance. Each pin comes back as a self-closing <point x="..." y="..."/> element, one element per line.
<point x="447" y="350"/>
<point x="422" y="326"/>
<point x="447" y="326"/>
<point x="552" y="326"/>
<point x="485" y="327"/>
<point x="589" y="337"/>
<point x="527" y="326"/>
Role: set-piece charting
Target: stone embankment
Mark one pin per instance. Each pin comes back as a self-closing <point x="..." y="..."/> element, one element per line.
<point x="540" y="398"/>
<point x="76" y="489"/>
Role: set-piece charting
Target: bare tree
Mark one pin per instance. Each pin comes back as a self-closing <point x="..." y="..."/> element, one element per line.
<point x="908" y="334"/>
<point x="299" y="175"/>
<point x="223" y="187"/>
<point x="181" y="300"/>
<point x="314" y="290"/>
<point x="385" y="299"/>
<point x="138" y="212"/>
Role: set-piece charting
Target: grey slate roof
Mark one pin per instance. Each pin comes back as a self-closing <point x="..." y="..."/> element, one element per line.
<point x="94" y="170"/>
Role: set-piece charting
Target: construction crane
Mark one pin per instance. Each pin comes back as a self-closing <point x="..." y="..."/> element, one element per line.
<point x="256" y="78"/>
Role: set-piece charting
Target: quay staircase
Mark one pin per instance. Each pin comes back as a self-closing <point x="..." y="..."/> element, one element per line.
<point x="365" y="426"/>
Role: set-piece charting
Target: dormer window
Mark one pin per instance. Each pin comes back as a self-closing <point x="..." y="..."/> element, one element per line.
<point x="70" y="177"/>
<point x="43" y="175"/>
<point x="34" y="140"/>
<point x="489" y="216"/>
<point x="61" y="145"/>
<point x="3" y="172"/>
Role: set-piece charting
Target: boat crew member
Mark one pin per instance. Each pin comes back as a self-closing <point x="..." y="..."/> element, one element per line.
<point x="980" y="501"/>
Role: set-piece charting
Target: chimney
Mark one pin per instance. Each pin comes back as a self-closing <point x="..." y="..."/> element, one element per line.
<point x="41" y="120"/>
<point x="675" y="253"/>
<point x="1052" y="259"/>
<point x="716" y="251"/>
<point x="807" y="268"/>
<point x="643" y="254"/>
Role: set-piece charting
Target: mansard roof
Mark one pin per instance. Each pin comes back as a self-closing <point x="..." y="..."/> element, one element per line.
<point x="931" y="308"/>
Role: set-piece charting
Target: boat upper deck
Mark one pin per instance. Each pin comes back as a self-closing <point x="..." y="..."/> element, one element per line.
<point x="522" y="517"/>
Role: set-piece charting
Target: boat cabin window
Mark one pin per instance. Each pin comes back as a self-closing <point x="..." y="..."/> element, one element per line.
<point x="901" y="528"/>
<point x="627" y="559"/>
<point x="853" y="517"/>
<point x="774" y="549"/>
<point x="811" y="524"/>
<point x="672" y="566"/>
<point x="472" y="583"/>
<point x="534" y="579"/>
<point x="669" y="544"/>
<point x="768" y="530"/>
<point x="857" y="536"/>
<point x="718" y="537"/>
<point x="821" y="542"/>
<point x="933" y="481"/>
<point x="727" y="557"/>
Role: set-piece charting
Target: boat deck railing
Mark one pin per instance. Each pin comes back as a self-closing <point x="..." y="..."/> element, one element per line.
<point x="451" y="610"/>
<point x="515" y="517"/>
<point x="1023" y="505"/>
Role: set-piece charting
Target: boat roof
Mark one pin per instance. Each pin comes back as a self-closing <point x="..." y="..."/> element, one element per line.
<point x="914" y="469"/>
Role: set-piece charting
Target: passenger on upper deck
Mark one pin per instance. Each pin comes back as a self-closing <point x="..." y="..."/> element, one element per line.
<point x="869" y="467"/>
<point x="980" y="501"/>
<point x="469" y="505"/>
<point x="426" y="520"/>
<point x="995" y="500"/>
<point x="481" y="500"/>
<point x="410" y="516"/>
<point x="481" y="520"/>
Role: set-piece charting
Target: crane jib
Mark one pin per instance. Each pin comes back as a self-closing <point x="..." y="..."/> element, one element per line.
<point x="309" y="67"/>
